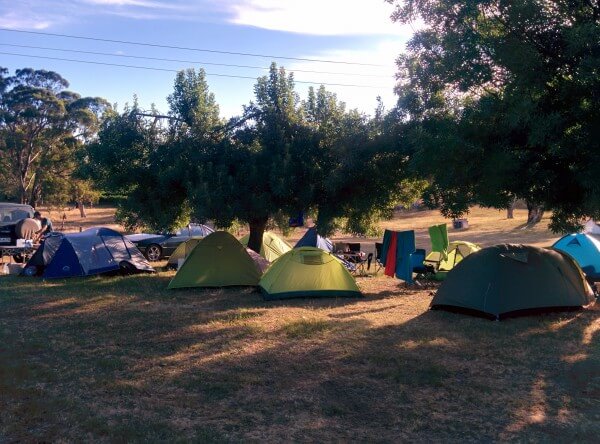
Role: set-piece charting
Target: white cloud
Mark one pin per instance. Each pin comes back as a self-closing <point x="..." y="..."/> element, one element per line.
<point x="135" y="3"/>
<point x="319" y="17"/>
<point x="23" y="23"/>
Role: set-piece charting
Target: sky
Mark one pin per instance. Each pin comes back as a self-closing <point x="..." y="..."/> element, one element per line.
<point x="348" y="42"/>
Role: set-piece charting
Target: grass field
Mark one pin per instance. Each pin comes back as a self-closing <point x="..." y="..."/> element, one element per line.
<point x="123" y="359"/>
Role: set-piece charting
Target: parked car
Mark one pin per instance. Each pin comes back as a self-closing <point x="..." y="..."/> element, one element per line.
<point x="160" y="246"/>
<point x="10" y="216"/>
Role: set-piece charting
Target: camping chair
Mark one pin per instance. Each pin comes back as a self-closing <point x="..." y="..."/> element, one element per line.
<point x="378" y="264"/>
<point x="355" y="255"/>
<point x="439" y="247"/>
<point x="417" y="259"/>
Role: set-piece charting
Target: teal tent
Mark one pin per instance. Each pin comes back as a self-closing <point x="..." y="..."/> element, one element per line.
<point x="585" y="250"/>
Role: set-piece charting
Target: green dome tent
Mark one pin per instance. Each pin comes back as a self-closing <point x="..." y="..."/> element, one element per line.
<point x="183" y="251"/>
<point x="507" y="279"/>
<point x="457" y="251"/>
<point x="272" y="245"/>
<point x="307" y="271"/>
<point x="218" y="260"/>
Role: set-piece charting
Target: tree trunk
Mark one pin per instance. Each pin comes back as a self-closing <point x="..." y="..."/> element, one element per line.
<point x="257" y="229"/>
<point x="535" y="212"/>
<point x="511" y="208"/>
<point x="81" y="209"/>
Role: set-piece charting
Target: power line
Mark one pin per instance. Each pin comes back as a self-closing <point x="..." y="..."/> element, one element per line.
<point x="186" y="61"/>
<point x="150" y="68"/>
<point x="214" y="51"/>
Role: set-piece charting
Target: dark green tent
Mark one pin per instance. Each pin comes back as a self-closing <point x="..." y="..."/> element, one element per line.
<point x="508" y="279"/>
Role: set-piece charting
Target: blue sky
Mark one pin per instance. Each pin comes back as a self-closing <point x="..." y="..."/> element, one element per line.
<point x="356" y="31"/>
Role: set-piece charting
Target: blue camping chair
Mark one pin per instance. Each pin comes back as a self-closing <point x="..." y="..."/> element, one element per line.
<point x="417" y="259"/>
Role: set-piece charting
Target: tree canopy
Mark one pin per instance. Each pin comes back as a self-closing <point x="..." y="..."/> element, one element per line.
<point x="498" y="97"/>
<point x="280" y="157"/>
<point x="43" y="128"/>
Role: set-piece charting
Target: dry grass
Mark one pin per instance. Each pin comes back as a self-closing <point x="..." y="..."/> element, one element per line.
<point x="124" y="359"/>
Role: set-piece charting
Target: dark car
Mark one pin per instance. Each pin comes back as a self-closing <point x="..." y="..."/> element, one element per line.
<point x="159" y="246"/>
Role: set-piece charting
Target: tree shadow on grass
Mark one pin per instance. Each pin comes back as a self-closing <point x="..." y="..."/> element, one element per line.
<point x="219" y="365"/>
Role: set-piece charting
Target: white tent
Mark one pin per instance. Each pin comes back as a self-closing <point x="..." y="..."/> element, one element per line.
<point x="591" y="227"/>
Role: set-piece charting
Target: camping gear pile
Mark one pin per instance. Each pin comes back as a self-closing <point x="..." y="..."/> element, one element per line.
<point x="496" y="282"/>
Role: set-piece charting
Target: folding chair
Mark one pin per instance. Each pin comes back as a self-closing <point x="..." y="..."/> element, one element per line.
<point x="439" y="247"/>
<point x="357" y="256"/>
<point x="378" y="265"/>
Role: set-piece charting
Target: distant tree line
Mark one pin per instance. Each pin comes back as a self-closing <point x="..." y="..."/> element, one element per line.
<point x="44" y="129"/>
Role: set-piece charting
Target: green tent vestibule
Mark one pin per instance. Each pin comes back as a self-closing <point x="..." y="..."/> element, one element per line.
<point x="308" y="272"/>
<point x="218" y="260"/>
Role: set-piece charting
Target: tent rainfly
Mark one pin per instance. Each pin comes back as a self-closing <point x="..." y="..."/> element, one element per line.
<point x="182" y="252"/>
<point x="93" y="251"/>
<point x="272" y="245"/>
<point x="308" y="272"/>
<point x="312" y="239"/>
<point x="585" y="250"/>
<point x="510" y="279"/>
<point x="218" y="260"/>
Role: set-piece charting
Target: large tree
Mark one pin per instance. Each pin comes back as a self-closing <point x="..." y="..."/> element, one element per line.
<point x="279" y="158"/>
<point x="43" y="127"/>
<point x="264" y="167"/>
<point x="499" y="96"/>
<point x="148" y="157"/>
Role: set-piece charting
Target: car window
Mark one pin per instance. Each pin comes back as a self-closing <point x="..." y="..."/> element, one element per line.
<point x="12" y="215"/>
<point x="182" y="232"/>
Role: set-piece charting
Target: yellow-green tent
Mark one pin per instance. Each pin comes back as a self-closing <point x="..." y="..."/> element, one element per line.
<point x="272" y="245"/>
<point x="218" y="260"/>
<point x="183" y="251"/>
<point x="457" y="251"/>
<point x="307" y="271"/>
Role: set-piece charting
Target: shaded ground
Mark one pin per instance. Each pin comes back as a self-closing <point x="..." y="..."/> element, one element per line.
<point x="123" y="359"/>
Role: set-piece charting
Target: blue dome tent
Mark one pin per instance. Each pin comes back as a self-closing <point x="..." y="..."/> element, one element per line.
<point x="312" y="239"/>
<point x="93" y="251"/>
<point x="585" y="250"/>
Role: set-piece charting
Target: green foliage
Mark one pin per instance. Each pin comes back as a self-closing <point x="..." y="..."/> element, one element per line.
<point x="282" y="156"/>
<point x="43" y="128"/>
<point x="497" y="100"/>
<point x="152" y="163"/>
